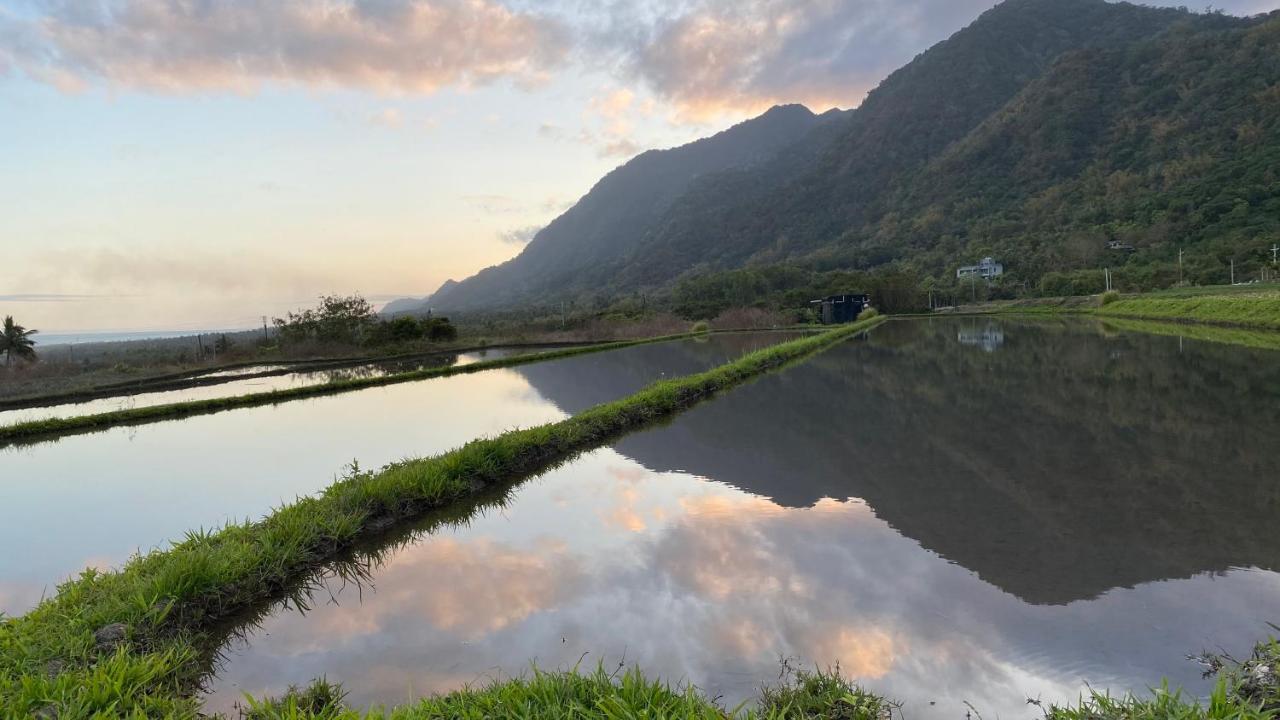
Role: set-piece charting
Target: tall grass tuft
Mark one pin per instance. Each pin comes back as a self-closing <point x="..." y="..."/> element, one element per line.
<point x="573" y="695"/>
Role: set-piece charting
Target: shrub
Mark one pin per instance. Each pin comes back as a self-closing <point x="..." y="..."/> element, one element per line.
<point x="338" y="319"/>
<point x="439" y="329"/>
<point x="700" y="327"/>
<point x="868" y="313"/>
<point x="1109" y="297"/>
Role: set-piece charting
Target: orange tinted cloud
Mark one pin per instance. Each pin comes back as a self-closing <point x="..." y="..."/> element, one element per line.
<point x="482" y="586"/>
<point x="862" y="652"/>
<point x="388" y="46"/>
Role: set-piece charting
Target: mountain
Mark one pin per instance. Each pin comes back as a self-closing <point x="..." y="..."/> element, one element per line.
<point x="408" y="305"/>
<point x="403" y="306"/>
<point x="612" y="218"/>
<point x="911" y="119"/>
<point x="1039" y="133"/>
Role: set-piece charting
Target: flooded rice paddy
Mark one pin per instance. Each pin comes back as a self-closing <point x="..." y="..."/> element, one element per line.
<point x="957" y="511"/>
<point x="92" y="500"/>
<point x="230" y="386"/>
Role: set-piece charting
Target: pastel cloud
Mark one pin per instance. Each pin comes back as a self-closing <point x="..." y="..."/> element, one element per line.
<point x="743" y="56"/>
<point x="520" y="235"/>
<point x="394" y="46"/>
<point x="700" y="58"/>
<point x="707" y="58"/>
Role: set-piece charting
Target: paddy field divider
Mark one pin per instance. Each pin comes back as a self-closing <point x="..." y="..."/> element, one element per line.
<point x="125" y="643"/>
<point x="32" y="431"/>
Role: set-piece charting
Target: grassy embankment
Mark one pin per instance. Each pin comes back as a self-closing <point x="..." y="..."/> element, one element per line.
<point x="125" y="642"/>
<point x="36" y="430"/>
<point x="1243" y="308"/>
<point x="1236" y="307"/>
<point x="209" y="376"/>
<point x="1259" y="339"/>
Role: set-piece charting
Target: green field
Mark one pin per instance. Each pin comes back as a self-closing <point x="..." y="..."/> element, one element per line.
<point x="1241" y="306"/>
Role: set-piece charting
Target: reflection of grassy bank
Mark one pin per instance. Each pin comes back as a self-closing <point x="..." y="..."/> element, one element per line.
<point x="599" y="694"/>
<point x="128" y="641"/>
<point x="1256" y="308"/>
<point x="1245" y="691"/>
<point x="36" y="430"/>
<point x="1262" y="340"/>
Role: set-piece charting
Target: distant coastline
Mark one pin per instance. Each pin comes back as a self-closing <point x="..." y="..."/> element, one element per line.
<point x="106" y="336"/>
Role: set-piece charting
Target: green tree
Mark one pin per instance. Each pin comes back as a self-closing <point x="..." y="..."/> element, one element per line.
<point x="343" y="319"/>
<point x="16" y="340"/>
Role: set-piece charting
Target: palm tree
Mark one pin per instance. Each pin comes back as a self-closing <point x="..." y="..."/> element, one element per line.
<point x="16" y="340"/>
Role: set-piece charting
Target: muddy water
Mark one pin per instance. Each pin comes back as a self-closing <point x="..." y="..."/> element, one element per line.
<point x="94" y="499"/>
<point x="953" y="510"/>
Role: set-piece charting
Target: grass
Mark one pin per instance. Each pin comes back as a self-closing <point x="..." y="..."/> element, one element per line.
<point x="1246" y="690"/>
<point x="1262" y="340"/>
<point x="1251" y="308"/>
<point x="207" y="375"/>
<point x="36" y="430"/>
<point x="128" y="642"/>
<point x="574" y="695"/>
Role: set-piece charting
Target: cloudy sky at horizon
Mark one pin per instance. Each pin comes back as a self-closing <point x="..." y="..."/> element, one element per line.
<point x="182" y="164"/>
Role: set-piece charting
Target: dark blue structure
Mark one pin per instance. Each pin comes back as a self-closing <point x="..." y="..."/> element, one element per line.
<point x="838" y="309"/>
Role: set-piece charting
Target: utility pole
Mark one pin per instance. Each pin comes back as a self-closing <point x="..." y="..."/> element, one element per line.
<point x="1179" y="267"/>
<point x="1233" y="271"/>
<point x="264" y="329"/>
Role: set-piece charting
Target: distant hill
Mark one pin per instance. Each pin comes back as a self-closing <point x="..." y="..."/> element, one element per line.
<point x="1041" y="132"/>
<point x="403" y="306"/>
<point x="610" y="220"/>
<point x="409" y="306"/>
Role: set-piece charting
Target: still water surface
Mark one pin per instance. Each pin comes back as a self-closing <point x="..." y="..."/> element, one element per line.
<point x="233" y="387"/>
<point x="92" y="500"/>
<point x="954" y="510"/>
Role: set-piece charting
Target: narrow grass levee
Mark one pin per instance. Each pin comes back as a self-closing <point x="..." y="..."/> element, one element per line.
<point x="1259" y="309"/>
<point x="205" y="377"/>
<point x="124" y="642"/>
<point x="40" y="430"/>
<point x="1258" y="339"/>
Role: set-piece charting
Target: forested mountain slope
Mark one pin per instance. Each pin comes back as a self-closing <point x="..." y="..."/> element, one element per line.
<point x="1039" y="133"/>
<point x="610" y="219"/>
<point x="1165" y="144"/>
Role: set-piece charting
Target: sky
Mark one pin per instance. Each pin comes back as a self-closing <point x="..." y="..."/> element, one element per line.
<point x="197" y="164"/>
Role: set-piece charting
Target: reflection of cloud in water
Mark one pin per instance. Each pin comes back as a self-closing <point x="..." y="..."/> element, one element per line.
<point x="718" y="591"/>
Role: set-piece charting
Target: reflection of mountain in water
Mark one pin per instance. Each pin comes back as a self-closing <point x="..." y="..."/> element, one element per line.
<point x="578" y="383"/>
<point x="1067" y="464"/>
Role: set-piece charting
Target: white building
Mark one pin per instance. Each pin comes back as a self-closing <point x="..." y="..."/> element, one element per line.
<point x="987" y="269"/>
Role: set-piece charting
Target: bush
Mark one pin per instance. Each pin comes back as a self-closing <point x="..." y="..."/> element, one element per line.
<point x="439" y="329"/>
<point x="700" y="327"/>
<point x="341" y="319"/>
<point x="868" y="313"/>
<point x="1109" y="297"/>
